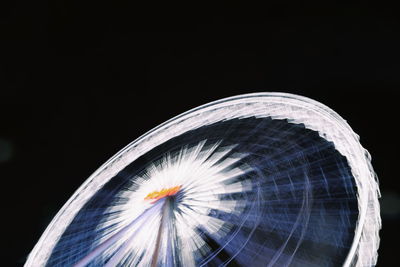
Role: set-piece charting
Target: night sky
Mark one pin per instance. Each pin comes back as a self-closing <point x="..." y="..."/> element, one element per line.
<point x="78" y="83"/>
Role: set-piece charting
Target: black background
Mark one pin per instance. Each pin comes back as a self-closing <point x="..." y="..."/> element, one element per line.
<point x="78" y="83"/>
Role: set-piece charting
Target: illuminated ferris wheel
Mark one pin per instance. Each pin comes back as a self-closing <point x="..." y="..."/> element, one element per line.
<point x="265" y="179"/>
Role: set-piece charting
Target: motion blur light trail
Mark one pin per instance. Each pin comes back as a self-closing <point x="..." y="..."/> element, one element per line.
<point x="264" y="179"/>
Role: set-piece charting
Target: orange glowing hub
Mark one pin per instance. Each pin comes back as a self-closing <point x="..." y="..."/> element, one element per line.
<point x="156" y="195"/>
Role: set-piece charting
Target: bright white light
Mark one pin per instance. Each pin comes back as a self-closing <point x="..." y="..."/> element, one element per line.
<point x="204" y="174"/>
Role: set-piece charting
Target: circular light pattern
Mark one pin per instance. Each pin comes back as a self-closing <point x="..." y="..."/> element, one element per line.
<point x="265" y="179"/>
